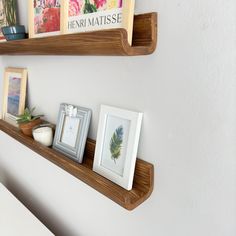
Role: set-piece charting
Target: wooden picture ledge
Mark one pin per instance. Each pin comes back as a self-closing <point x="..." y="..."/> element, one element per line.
<point x="111" y="42"/>
<point x="143" y="178"/>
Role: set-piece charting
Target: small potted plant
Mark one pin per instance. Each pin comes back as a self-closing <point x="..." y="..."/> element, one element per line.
<point x="27" y="121"/>
<point x="12" y="31"/>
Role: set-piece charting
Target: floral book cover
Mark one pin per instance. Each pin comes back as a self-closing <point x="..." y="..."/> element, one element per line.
<point x="46" y="16"/>
<point x="89" y="15"/>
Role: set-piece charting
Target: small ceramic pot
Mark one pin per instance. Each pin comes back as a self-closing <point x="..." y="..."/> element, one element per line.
<point x="14" y="32"/>
<point x="43" y="134"/>
<point x="26" y="128"/>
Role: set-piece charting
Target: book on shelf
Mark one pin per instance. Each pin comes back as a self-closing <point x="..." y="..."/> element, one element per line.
<point x="44" y="18"/>
<point x="91" y="15"/>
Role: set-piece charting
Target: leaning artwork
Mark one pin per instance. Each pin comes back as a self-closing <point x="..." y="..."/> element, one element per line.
<point x="13" y="98"/>
<point x="91" y="15"/>
<point x="117" y="144"/>
<point x="44" y="18"/>
<point x="14" y="95"/>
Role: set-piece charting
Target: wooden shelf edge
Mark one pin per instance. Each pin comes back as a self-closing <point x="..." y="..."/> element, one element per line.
<point x="112" y="42"/>
<point x="143" y="178"/>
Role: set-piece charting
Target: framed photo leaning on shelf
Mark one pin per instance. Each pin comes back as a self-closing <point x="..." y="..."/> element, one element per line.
<point x="91" y="15"/>
<point x="44" y="18"/>
<point x="14" y="95"/>
<point x="72" y="131"/>
<point x="117" y="144"/>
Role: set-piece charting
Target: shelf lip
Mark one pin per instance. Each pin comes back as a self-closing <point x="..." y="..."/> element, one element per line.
<point x="143" y="180"/>
<point x="110" y="42"/>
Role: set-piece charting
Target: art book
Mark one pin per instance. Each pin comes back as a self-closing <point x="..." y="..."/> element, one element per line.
<point x="91" y="15"/>
<point x="44" y="18"/>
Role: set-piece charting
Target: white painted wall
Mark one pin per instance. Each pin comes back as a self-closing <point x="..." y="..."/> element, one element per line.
<point x="187" y="92"/>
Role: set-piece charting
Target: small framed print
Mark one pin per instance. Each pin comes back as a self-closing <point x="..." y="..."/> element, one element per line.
<point x="14" y="95"/>
<point x="117" y="144"/>
<point x="72" y="131"/>
<point x="44" y="18"/>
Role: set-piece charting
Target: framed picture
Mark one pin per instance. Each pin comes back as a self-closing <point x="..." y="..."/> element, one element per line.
<point x="90" y="15"/>
<point x="72" y="131"/>
<point x="44" y="18"/>
<point x="117" y="144"/>
<point x="14" y="95"/>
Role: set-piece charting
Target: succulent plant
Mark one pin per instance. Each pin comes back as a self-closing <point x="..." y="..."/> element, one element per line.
<point x="27" y="116"/>
<point x="10" y="11"/>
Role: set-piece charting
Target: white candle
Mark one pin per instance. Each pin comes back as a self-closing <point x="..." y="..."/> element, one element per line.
<point x="43" y="135"/>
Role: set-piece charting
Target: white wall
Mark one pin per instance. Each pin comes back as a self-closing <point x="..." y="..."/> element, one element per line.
<point x="187" y="92"/>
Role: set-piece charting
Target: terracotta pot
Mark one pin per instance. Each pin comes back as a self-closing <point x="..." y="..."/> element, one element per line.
<point x="26" y="128"/>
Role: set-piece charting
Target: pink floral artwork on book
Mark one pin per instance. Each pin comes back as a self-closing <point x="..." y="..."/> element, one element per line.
<point x="87" y="15"/>
<point x="93" y="15"/>
<point x="46" y="16"/>
<point x="80" y="7"/>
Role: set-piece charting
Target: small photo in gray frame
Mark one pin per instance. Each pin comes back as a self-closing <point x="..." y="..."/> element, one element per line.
<point x="72" y="131"/>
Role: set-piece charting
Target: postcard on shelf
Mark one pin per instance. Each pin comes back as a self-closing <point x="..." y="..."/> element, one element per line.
<point x="91" y="15"/>
<point x="44" y="18"/>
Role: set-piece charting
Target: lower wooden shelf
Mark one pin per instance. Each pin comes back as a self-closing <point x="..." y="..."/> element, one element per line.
<point x="143" y="178"/>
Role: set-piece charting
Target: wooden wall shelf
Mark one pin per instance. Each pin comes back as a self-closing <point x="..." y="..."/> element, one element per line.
<point x="111" y="42"/>
<point x="143" y="178"/>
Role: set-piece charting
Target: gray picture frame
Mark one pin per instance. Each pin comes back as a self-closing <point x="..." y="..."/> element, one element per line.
<point x="72" y="131"/>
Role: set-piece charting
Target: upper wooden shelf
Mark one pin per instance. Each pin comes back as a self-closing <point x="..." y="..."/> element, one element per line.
<point x="143" y="177"/>
<point x="111" y="42"/>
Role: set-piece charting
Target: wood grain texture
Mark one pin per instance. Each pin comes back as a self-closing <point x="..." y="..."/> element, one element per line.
<point x="143" y="178"/>
<point x="111" y="42"/>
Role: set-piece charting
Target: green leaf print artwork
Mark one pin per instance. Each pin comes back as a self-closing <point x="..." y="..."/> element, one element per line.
<point x="116" y="143"/>
<point x="89" y="8"/>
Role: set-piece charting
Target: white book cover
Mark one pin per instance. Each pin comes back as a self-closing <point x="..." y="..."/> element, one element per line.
<point x="91" y="15"/>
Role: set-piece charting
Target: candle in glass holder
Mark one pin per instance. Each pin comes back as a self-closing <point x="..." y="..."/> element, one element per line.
<point x="43" y="135"/>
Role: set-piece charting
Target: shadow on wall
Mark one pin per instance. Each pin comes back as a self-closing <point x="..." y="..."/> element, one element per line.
<point x="50" y="220"/>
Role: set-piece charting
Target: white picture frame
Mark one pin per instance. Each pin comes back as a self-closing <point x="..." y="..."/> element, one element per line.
<point x="72" y="131"/>
<point x="117" y="145"/>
